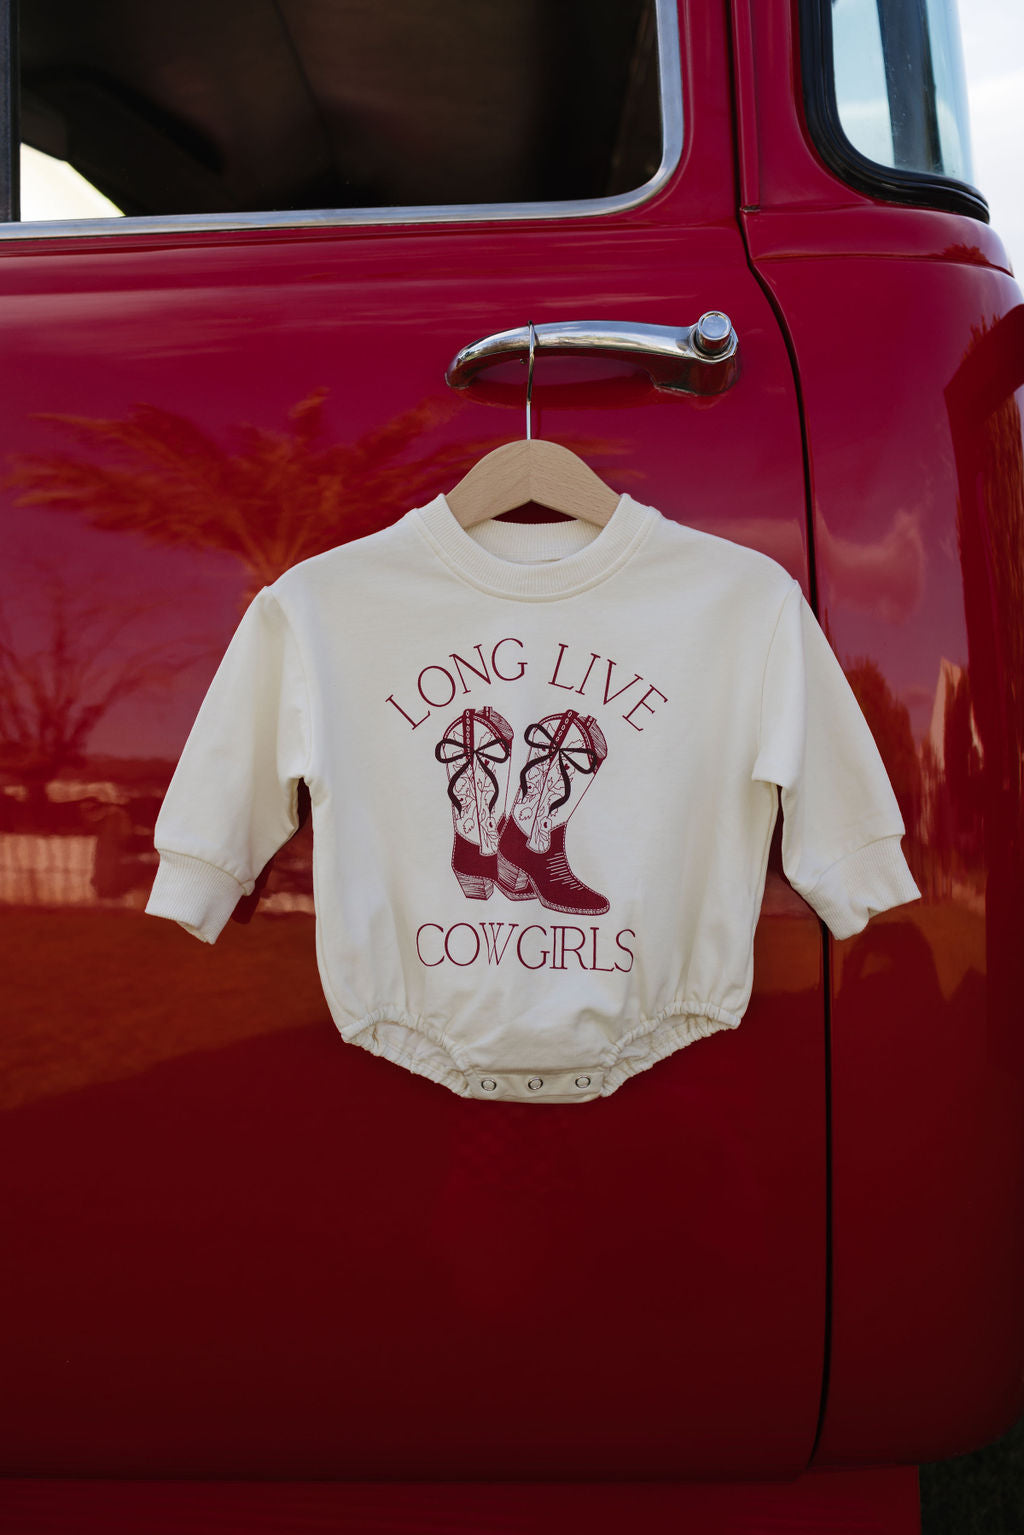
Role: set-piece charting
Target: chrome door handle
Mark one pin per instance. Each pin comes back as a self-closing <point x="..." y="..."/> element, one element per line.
<point x="696" y="359"/>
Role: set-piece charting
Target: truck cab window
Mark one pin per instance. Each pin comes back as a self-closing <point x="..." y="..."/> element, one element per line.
<point x="219" y="107"/>
<point x="899" y="84"/>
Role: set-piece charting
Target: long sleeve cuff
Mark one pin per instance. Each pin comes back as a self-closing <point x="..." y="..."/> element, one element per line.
<point x="195" y="894"/>
<point x="874" y="878"/>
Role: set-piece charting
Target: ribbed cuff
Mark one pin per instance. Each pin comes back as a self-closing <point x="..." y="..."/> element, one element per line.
<point x="195" y="894"/>
<point x="874" y="878"/>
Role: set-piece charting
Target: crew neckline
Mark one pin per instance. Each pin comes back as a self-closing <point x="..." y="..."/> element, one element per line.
<point x="535" y="561"/>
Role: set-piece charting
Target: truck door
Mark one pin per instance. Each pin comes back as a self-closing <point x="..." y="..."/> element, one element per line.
<point x="246" y="1250"/>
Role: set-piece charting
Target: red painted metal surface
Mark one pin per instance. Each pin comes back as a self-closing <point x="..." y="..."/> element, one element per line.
<point x="883" y="1501"/>
<point x="247" y="1250"/>
<point x="909" y="346"/>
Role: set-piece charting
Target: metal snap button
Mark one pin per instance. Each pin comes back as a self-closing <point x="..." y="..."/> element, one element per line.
<point x="582" y="1081"/>
<point x="488" y="1084"/>
<point x="534" y="1083"/>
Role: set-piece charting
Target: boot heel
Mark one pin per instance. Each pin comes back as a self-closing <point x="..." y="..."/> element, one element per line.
<point x="475" y="886"/>
<point x="513" y="881"/>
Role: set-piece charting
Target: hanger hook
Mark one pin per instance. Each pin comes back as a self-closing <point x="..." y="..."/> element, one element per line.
<point x="529" y="379"/>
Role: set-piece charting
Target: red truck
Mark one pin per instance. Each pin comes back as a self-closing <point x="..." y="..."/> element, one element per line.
<point x="257" y="1279"/>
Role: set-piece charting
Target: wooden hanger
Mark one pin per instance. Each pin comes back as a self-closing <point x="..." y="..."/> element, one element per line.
<point x="529" y="470"/>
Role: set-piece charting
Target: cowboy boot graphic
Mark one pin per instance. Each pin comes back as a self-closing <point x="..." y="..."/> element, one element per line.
<point x="566" y="751"/>
<point x="476" y="744"/>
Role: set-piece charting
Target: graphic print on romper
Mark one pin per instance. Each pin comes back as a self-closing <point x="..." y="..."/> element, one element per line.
<point x="474" y="745"/>
<point x="523" y="853"/>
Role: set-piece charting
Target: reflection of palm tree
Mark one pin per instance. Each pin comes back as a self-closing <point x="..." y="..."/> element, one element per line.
<point x="53" y="694"/>
<point x="279" y="498"/>
<point x="275" y="499"/>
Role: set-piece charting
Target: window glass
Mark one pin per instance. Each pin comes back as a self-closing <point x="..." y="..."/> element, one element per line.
<point x="224" y="106"/>
<point x="899" y="84"/>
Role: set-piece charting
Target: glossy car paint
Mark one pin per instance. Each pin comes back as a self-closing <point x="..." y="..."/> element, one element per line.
<point x="248" y="1250"/>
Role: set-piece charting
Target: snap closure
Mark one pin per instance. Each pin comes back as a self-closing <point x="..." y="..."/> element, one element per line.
<point x="488" y="1084"/>
<point x="582" y="1081"/>
<point x="534" y="1083"/>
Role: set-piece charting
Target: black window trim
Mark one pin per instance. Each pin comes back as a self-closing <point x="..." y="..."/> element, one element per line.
<point x="919" y="188"/>
<point x="670" y="101"/>
<point x="10" y="85"/>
